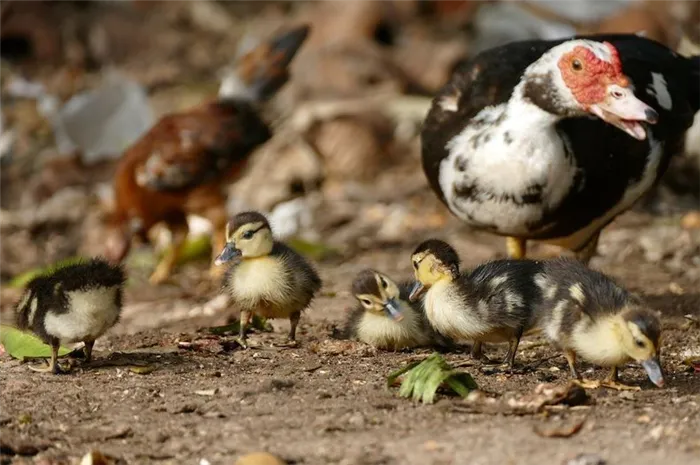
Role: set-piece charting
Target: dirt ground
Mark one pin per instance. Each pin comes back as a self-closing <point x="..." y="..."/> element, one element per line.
<point x="165" y="391"/>
<point x="327" y="401"/>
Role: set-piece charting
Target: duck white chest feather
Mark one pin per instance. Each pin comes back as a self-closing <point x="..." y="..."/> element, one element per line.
<point x="450" y="315"/>
<point x="92" y="312"/>
<point x="506" y="168"/>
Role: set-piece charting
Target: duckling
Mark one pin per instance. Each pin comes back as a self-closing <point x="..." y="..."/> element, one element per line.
<point x="492" y="303"/>
<point x="75" y="303"/>
<point x="266" y="277"/>
<point x="587" y="314"/>
<point x="385" y="319"/>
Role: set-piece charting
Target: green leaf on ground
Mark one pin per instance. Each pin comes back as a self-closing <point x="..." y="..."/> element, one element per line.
<point x="23" y="345"/>
<point x="421" y="380"/>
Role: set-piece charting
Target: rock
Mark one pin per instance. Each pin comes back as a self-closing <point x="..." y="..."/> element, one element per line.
<point x="586" y="459"/>
<point x="260" y="458"/>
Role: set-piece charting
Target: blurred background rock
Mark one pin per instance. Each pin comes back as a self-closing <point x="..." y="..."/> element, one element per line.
<point x="82" y="80"/>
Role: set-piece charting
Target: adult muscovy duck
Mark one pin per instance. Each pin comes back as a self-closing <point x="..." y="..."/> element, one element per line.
<point x="551" y="140"/>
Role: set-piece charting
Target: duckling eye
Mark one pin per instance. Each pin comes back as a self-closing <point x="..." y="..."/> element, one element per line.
<point x="415" y="264"/>
<point x="384" y="283"/>
<point x="639" y="343"/>
<point x="248" y="235"/>
<point x="576" y="65"/>
<point x="366" y="302"/>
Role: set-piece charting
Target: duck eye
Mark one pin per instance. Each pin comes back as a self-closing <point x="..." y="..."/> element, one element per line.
<point x="576" y="65"/>
<point x="384" y="283"/>
<point x="366" y="302"/>
<point x="248" y="235"/>
<point x="639" y="343"/>
<point x="415" y="264"/>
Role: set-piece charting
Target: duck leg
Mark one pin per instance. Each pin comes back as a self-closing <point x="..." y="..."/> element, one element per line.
<point x="584" y="383"/>
<point x="509" y="361"/>
<point x="477" y="352"/>
<point x="611" y="381"/>
<point x="516" y="247"/>
<point x="88" y="351"/>
<point x="291" y="338"/>
<point x="167" y="263"/>
<point x="585" y="253"/>
<point x="245" y="318"/>
<point x="53" y="366"/>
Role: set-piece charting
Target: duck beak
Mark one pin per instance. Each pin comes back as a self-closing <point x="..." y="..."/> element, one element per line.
<point x="392" y="309"/>
<point x="625" y="111"/>
<point x="653" y="369"/>
<point x="229" y="253"/>
<point x="417" y="291"/>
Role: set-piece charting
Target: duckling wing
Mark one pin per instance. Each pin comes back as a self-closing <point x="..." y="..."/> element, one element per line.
<point x="593" y="293"/>
<point x="352" y="320"/>
<point x="303" y="277"/>
<point x="188" y="149"/>
<point x="508" y="288"/>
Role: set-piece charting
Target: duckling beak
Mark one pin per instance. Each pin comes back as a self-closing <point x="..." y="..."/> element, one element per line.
<point x="417" y="291"/>
<point x="229" y="253"/>
<point x="392" y="309"/>
<point x="653" y="369"/>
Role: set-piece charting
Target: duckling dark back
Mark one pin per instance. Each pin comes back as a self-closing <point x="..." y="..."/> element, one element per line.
<point x="50" y="292"/>
<point x="595" y="293"/>
<point x="508" y="289"/>
<point x="302" y="274"/>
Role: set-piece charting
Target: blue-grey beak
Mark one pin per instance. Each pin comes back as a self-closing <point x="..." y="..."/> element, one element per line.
<point x="417" y="291"/>
<point x="392" y="309"/>
<point x="653" y="369"/>
<point x="229" y="253"/>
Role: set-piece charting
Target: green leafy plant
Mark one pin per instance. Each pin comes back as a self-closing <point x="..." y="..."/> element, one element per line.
<point x="422" y="379"/>
<point x="22" y="345"/>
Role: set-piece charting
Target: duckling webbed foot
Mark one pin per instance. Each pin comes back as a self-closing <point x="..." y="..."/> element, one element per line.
<point x="611" y="381"/>
<point x="52" y="366"/>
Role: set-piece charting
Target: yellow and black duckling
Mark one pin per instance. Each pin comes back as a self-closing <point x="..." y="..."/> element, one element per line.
<point x="588" y="315"/>
<point x="75" y="303"/>
<point x="492" y="303"/>
<point x="266" y="277"/>
<point x="384" y="317"/>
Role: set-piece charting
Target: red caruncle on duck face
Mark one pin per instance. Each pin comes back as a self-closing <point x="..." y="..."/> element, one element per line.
<point x="599" y="86"/>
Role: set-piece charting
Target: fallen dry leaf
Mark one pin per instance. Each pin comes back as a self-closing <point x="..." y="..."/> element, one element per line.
<point x="560" y="431"/>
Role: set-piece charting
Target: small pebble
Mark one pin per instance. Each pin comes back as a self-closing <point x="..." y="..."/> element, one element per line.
<point x="586" y="459"/>
<point x="260" y="458"/>
<point x="644" y="419"/>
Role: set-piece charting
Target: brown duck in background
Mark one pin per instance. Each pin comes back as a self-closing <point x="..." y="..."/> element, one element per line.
<point x="183" y="163"/>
